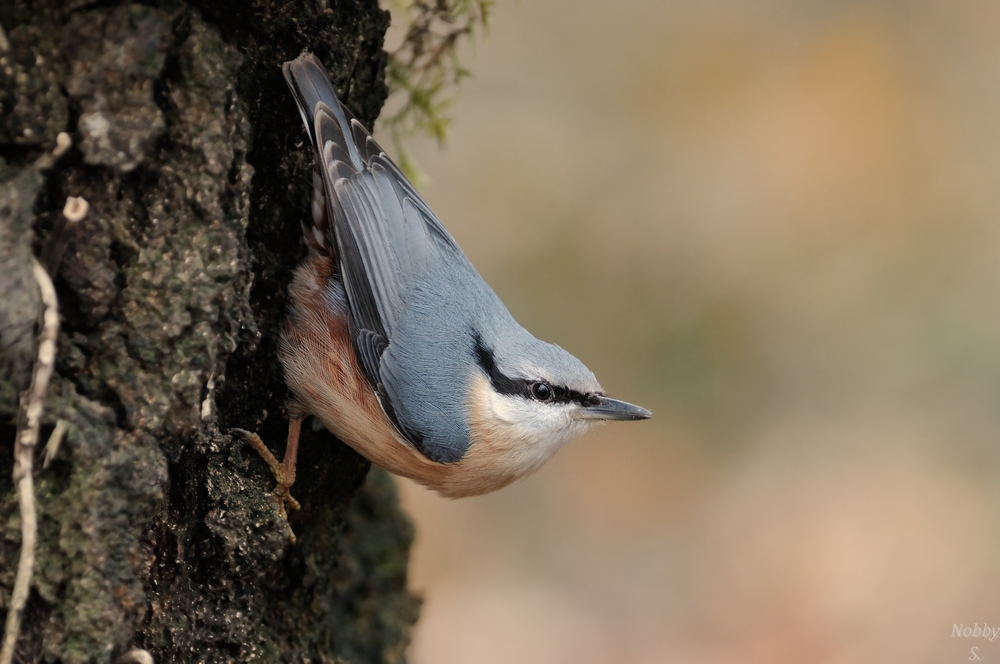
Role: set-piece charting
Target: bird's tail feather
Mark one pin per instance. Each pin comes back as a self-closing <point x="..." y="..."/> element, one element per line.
<point x="327" y="120"/>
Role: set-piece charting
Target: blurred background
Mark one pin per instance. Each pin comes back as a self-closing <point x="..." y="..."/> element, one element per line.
<point x="777" y="225"/>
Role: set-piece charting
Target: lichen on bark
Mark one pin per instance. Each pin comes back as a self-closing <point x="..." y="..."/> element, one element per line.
<point x="156" y="527"/>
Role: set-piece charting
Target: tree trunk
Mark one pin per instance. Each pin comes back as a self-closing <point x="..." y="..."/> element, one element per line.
<point x="157" y="528"/>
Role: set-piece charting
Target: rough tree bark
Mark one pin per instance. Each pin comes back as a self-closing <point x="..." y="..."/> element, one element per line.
<point x="156" y="527"/>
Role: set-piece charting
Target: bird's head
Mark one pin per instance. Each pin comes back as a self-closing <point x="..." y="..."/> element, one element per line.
<point x="531" y="398"/>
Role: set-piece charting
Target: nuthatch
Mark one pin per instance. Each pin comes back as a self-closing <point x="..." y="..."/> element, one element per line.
<point x="397" y="345"/>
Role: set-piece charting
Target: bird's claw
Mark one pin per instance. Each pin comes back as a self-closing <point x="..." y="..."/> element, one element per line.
<point x="282" y="475"/>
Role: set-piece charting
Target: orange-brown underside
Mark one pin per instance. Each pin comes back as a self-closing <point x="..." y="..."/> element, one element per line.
<point x="323" y="373"/>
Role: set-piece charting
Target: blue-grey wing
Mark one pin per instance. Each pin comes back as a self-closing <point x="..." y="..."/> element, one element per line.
<point x="386" y="235"/>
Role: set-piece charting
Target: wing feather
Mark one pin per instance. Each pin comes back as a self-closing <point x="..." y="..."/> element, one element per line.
<point x="385" y="233"/>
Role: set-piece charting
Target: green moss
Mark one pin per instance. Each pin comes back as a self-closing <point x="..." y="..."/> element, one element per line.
<point x="425" y="69"/>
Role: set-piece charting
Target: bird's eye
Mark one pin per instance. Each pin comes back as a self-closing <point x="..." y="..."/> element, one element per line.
<point x="541" y="391"/>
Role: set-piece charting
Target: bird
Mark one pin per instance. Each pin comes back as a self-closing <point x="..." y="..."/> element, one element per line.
<point x="397" y="345"/>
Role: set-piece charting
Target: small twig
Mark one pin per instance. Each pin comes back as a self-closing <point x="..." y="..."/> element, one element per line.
<point x="28" y="421"/>
<point x="425" y="67"/>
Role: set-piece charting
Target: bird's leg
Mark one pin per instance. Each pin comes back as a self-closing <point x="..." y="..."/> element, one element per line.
<point x="283" y="471"/>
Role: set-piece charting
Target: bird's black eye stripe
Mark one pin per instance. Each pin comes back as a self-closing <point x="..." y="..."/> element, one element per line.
<point x="504" y="384"/>
<point x="564" y="395"/>
<point x="501" y="383"/>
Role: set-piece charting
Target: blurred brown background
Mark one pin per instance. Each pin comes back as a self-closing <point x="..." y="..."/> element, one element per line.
<point x="776" y="224"/>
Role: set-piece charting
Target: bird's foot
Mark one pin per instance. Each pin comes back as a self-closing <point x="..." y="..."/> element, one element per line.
<point x="283" y="471"/>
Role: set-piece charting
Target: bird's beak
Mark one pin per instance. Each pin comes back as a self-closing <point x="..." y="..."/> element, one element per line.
<point x="613" y="409"/>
